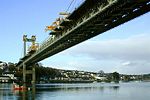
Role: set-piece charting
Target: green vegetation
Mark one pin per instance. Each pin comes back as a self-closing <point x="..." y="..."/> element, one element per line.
<point x="1" y="71"/>
<point x="46" y="73"/>
<point x="115" y="77"/>
<point x="52" y="75"/>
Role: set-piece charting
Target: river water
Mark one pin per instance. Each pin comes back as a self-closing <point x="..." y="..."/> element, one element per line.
<point x="92" y="91"/>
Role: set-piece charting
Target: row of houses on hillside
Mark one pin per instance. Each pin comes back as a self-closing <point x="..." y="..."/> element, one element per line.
<point x="74" y="75"/>
<point x="7" y="77"/>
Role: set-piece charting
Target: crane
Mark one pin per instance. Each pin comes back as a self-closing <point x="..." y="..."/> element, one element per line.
<point x="56" y="27"/>
<point x="34" y="46"/>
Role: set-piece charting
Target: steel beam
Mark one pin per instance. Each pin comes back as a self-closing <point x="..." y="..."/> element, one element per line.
<point x="102" y="19"/>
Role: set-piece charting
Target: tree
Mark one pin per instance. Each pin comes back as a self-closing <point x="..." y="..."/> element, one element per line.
<point x="1" y="71"/>
<point x="101" y="73"/>
<point x="116" y="76"/>
<point x="11" y="67"/>
<point x="127" y="78"/>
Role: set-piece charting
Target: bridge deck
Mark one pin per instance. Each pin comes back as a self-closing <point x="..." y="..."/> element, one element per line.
<point x="90" y="19"/>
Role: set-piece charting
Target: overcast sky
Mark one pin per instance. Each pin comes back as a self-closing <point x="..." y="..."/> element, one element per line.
<point x="124" y="49"/>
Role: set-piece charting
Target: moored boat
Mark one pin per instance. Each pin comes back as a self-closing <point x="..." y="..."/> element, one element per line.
<point x="18" y="87"/>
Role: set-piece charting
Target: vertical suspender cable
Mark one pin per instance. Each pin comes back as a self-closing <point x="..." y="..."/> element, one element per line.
<point x="69" y="5"/>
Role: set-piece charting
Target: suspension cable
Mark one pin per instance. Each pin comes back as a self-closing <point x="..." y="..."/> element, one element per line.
<point x="69" y="5"/>
<point x="73" y="6"/>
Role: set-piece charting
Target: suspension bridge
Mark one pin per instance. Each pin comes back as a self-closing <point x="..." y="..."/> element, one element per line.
<point x="91" y="18"/>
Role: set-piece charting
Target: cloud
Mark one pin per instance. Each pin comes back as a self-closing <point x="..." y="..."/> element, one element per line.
<point x="128" y="55"/>
<point x="126" y="63"/>
<point x="132" y="48"/>
<point x="135" y="67"/>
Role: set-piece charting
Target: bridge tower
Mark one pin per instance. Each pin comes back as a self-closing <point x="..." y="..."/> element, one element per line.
<point x="32" y="49"/>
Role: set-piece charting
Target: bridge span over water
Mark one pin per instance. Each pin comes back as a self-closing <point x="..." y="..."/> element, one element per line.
<point x="91" y="18"/>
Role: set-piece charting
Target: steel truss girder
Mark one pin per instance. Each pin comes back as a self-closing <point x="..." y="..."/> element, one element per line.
<point x="88" y="27"/>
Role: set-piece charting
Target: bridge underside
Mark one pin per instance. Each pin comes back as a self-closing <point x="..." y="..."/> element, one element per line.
<point x="90" y="19"/>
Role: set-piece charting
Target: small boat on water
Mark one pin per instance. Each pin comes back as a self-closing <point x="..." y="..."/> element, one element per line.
<point x="18" y="87"/>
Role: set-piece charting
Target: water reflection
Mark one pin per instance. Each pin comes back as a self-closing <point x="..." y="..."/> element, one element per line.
<point x="116" y="88"/>
<point x="7" y="93"/>
<point x="74" y="87"/>
<point x="25" y="95"/>
<point x="98" y="91"/>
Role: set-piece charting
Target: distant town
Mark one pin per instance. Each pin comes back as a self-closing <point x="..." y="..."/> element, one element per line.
<point x="9" y="73"/>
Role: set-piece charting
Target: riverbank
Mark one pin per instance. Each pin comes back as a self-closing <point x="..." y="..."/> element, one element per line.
<point x="67" y="81"/>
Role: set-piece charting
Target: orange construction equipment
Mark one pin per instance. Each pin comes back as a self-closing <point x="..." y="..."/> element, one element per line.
<point x="50" y="28"/>
<point x="34" y="46"/>
<point x="54" y="25"/>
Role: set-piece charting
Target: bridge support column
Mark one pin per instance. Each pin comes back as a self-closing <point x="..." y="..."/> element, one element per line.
<point x="31" y="72"/>
<point x="33" y="77"/>
<point x="33" y="82"/>
<point x="24" y="74"/>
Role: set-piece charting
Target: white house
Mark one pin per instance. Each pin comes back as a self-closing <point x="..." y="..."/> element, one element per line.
<point x="9" y="74"/>
<point x="4" y="79"/>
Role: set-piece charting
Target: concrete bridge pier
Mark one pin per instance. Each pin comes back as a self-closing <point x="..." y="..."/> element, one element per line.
<point x="24" y="75"/>
<point x="31" y="72"/>
<point x="33" y="82"/>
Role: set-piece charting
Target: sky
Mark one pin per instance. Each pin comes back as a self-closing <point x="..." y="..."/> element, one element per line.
<point x="124" y="49"/>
